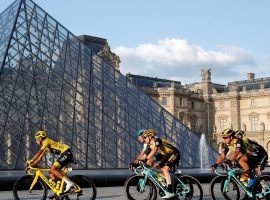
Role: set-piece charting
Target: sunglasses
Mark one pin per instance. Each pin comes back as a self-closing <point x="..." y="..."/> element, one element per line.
<point x="225" y="137"/>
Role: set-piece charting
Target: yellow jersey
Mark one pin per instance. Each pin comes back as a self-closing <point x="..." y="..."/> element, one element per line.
<point x="51" y="145"/>
<point x="164" y="146"/>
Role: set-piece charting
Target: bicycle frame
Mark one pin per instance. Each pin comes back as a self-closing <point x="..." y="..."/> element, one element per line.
<point x="232" y="175"/>
<point x="39" y="174"/>
<point x="150" y="173"/>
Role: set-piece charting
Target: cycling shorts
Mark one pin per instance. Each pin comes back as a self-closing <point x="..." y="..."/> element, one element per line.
<point x="64" y="159"/>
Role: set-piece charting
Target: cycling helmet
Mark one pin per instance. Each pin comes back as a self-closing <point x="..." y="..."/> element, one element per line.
<point x="149" y="133"/>
<point x="228" y="132"/>
<point x="40" y="134"/>
<point x="140" y="132"/>
<point x="239" y="133"/>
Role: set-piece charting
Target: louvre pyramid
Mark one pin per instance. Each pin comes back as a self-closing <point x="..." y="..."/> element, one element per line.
<point x="49" y="79"/>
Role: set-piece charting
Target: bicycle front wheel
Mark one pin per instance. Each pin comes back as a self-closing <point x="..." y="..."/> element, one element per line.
<point x="220" y="188"/>
<point x="194" y="186"/>
<point x="22" y="186"/>
<point x="135" y="190"/>
<point x="89" y="191"/>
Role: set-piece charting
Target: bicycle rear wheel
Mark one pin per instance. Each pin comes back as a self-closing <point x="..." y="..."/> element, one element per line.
<point x="134" y="191"/>
<point x="21" y="189"/>
<point x="231" y="192"/>
<point x="89" y="191"/>
<point x="196" y="191"/>
<point x="265" y="180"/>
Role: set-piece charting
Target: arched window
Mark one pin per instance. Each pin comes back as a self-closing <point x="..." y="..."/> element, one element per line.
<point x="181" y="116"/>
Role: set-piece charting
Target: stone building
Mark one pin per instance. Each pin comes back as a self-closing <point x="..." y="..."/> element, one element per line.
<point x="209" y="108"/>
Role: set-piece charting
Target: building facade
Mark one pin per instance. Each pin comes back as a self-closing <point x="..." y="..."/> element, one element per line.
<point x="209" y="108"/>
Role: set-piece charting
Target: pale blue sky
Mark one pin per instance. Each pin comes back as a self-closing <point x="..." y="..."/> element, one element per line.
<point x="174" y="39"/>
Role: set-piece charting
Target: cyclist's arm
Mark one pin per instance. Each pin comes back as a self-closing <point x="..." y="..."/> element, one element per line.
<point x="234" y="155"/>
<point x="36" y="159"/>
<point x="152" y="153"/>
<point x="220" y="159"/>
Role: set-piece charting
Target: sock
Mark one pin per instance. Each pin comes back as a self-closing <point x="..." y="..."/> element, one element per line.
<point x="66" y="179"/>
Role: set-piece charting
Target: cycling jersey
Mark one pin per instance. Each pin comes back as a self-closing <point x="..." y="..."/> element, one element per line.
<point x="167" y="153"/>
<point x="241" y="146"/>
<point x="53" y="146"/>
<point x="164" y="146"/>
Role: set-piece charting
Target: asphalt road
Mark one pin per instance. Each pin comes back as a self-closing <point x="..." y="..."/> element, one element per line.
<point x="106" y="193"/>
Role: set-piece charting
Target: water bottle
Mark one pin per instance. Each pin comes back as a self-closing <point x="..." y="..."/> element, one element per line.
<point x="52" y="182"/>
<point x="252" y="182"/>
<point x="58" y="185"/>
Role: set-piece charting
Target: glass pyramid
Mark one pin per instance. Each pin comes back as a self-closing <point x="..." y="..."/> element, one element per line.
<point x="49" y="79"/>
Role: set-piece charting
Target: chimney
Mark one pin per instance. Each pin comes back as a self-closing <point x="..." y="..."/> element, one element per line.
<point x="250" y="76"/>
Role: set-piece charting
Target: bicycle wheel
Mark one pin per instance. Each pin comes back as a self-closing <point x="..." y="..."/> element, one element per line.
<point x="133" y="190"/>
<point x="89" y="191"/>
<point x="265" y="180"/>
<point x="22" y="186"/>
<point x="196" y="191"/>
<point x="217" y="186"/>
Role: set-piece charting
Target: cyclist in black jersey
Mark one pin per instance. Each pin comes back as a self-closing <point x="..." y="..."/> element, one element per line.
<point x="167" y="156"/>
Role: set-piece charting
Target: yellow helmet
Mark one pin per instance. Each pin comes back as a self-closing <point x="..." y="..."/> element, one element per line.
<point x="239" y="133"/>
<point x="40" y="134"/>
<point x="228" y="132"/>
<point x="149" y="133"/>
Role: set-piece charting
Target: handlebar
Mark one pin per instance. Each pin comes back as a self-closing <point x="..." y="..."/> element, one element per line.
<point x="226" y="168"/>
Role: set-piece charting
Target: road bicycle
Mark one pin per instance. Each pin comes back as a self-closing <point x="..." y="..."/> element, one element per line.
<point x="227" y="185"/>
<point x="35" y="186"/>
<point x="143" y="185"/>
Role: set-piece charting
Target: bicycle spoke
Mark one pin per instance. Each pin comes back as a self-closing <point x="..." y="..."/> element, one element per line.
<point x="21" y="189"/>
<point x="218" y="191"/>
<point x="135" y="191"/>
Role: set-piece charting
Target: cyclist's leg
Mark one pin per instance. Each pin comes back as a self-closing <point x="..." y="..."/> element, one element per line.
<point x="261" y="162"/>
<point x="170" y="163"/>
<point x="245" y="164"/>
<point x="64" y="159"/>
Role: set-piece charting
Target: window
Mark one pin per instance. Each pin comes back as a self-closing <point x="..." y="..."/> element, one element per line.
<point x="222" y="105"/>
<point x="192" y="105"/>
<point x="253" y="103"/>
<point x="164" y="101"/>
<point x="193" y="124"/>
<point x="181" y="101"/>
<point x="223" y="124"/>
<point x="181" y="116"/>
<point x="254" y="123"/>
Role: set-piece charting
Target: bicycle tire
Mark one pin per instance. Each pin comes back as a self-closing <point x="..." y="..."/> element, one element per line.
<point x="89" y="190"/>
<point x="217" y="193"/>
<point x="132" y="183"/>
<point x="22" y="185"/>
<point x="266" y="178"/>
<point x="196" y="191"/>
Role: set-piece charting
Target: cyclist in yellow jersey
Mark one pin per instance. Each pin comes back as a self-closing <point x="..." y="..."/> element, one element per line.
<point x="65" y="157"/>
<point x="235" y="151"/>
<point x="167" y="156"/>
<point x="259" y="152"/>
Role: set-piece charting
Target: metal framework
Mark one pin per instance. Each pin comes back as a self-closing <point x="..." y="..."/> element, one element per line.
<point x="50" y="80"/>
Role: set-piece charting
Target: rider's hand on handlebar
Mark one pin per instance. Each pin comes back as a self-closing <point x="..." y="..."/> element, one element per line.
<point x="214" y="167"/>
<point x="228" y="163"/>
<point x="29" y="163"/>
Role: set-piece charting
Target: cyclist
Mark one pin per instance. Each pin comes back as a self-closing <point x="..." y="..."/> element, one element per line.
<point x="236" y="151"/>
<point x="52" y="146"/>
<point x="145" y="150"/>
<point x="261" y="154"/>
<point x="166" y="154"/>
